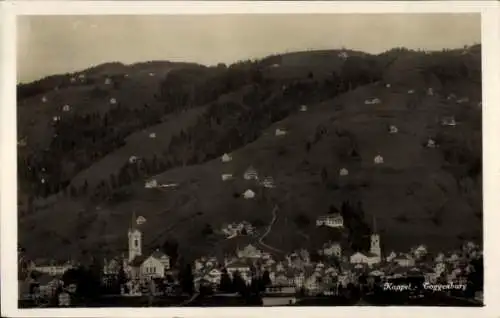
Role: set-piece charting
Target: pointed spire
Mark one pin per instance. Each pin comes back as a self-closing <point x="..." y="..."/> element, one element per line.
<point x="133" y="223"/>
<point x="374" y="225"/>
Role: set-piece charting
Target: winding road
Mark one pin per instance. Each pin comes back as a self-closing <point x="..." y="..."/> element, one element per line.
<point x="269" y="227"/>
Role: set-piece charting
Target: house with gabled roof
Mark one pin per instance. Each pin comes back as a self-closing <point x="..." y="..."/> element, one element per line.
<point x="251" y="174"/>
<point x="226" y="158"/>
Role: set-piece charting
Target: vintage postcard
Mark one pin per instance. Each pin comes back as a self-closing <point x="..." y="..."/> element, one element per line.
<point x="249" y="158"/>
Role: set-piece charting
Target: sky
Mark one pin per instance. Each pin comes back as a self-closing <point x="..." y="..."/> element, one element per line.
<point x="48" y="45"/>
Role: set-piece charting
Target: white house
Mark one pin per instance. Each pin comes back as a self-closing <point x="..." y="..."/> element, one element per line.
<point x="151" y="74"/>
<point x="361" y="258"/>
<point x="248" y="194"/>
<point x="332" y="249"/>
<point x="372" y="101"/>
<point x="448" y="121"/>
<point x="155" y="265"/>
<point x="56" y="118"/>
<point x="81" y="76"/>
<point x="72" y="79"/>
<point x="44" y="99"/>
<point x="133" y="159"/>
<point x="439" y="258"/>
<point x="140" y="220"/>
<point x="431" y="143"/>
<point x="66" y="108"/>
<point x="331" y="220"/>
<point x="388" y="85"/>
<point x="53" y="269"/>
<point x="112" y="101"/>
<point x="280" y="132"/>
<point x="420" y="251"/>
<point x="463" y="100"/>
<point x="249" y="251"/>
<point x="430" y="91"/>
<point x="238" y="266"/>
<point x="391" y="256"/>
<point x="393" y="129"/>
<point x="107" y="81"/>
<point x="226" y="176"/>
<point x="250" y="174"/>
<point x="151" y="184"/>
<point x="378" y="159"/>
<point x="411" y="91"/>
<point x="344" y="172"/>
<point x="226" y="158"/>
<point x="303" y="108"/>
<point x="268" y="182"/>
<point x="152" y="135"/>
<point x="343" y="55"/>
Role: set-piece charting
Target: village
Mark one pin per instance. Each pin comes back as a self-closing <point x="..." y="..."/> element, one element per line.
<point x="278" y="280"/>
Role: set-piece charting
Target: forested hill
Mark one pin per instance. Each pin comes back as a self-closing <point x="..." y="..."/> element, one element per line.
<point x="89" y="141"/>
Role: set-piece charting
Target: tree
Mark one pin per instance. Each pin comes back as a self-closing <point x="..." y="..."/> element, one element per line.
<point x="266" y="279"/>
<point x="171" y="248"/>
<point x="226" y="284"/>
<point x="302" y="221"/>
<point x="207" y="230"/>
<point x="186" y="279"/>
<point x="239" y="284"/>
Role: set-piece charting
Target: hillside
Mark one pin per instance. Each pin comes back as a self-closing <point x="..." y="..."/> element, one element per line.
<point x="90" y="187"/>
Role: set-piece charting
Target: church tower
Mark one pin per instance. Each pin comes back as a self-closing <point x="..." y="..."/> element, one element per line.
<point x="375" y="241"/>
<point x="134" y="240"/>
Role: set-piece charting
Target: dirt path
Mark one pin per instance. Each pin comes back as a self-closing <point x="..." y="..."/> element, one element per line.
<point x="269" y="227"/>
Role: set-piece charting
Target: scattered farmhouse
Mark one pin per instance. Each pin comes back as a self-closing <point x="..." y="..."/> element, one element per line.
<point x="226" y="176"/>
<point x="344" y="172"/>
<point x="431" y="143"/>
<point x="268" y="182"/>
<point x="44" y="99"/>
<point x="280" y="132"/>
<point x="372" y="101"/>
<point x="226" y="158"/>
<point x="251" y="174"/>
<point x="430" y="91"/>
<point x="448" y="121"/>
<point x="393" y="129"/>
<point x="378" y="160"/>
<point x="343" y="55"/>
<point x="248" y="194"/>
<point x="152" y="135"/>
<point x="66" y="108"/>
<point x="112" y="101"/>
<point x="151" y="184"/>
<point x="303" y="108"/>
<point x="133" y="159"/>
<point x="107" y="81"/>
<point x="388" y="85"/>
<point x="411" y="91"/>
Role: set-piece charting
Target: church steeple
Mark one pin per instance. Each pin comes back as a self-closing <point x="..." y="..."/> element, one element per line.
<point x="134" y="239"/>
<point x="375" y="240"/>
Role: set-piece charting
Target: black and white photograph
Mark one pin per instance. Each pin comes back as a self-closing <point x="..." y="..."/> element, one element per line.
<point x="249" y="160"/>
